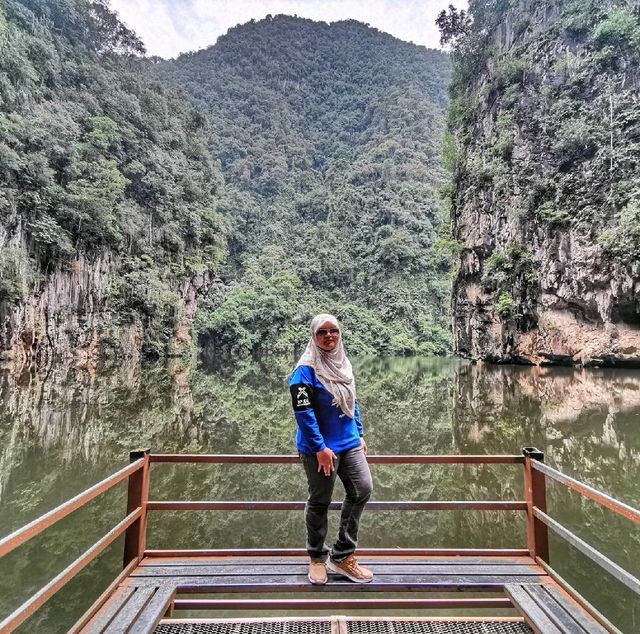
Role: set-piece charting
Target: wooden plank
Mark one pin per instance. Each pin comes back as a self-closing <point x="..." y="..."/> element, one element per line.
<point x="102" y="599"/>
<point x="123" y="621"/>
<point x="154" y="610"/>
<point x="284" y="570"/>
<point x="292" y="582"/>
<point x="554" y="610"/>
<point x="573" y="596"/>
<point x="344" y="604"/>
<point x="284" y="552"/>
<point x="533" y="614"/>
<point x="294" y="459"/>
<point x="108" y="611"/>
<point x="27" y="532"/>
<point x="581" y="616"/>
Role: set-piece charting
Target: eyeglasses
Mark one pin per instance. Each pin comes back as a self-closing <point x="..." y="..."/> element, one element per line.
<point x="323" y="332"/>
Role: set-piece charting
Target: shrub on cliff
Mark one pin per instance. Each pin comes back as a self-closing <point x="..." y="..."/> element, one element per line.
<point x="623" y="241"/>
<point x="16" y="275"/>
<point x="506" y="305"/>
<point x="620" y="30"/>
<point x="139" y="294"/>
<point x="577" y="139"/>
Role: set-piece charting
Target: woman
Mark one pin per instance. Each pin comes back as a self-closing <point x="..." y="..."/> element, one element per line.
<point x="330" y="442"/>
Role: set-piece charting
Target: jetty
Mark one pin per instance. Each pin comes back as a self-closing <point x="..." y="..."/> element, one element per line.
<point x="156" y="586"/>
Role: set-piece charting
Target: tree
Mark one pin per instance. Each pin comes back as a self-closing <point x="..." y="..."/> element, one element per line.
<point x="453" y="25"/>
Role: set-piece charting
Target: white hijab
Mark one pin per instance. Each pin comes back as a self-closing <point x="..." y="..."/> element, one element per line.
<point x="331" y="367"/>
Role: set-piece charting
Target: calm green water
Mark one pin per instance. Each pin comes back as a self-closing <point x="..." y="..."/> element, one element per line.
<point x="63" y="432"/>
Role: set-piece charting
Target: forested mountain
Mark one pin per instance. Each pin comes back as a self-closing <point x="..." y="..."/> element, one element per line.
<point x="546" y="200"/>
<point x="329" y="140"/>
<point x="299" y="170"/>
<point x="107" y="198"/>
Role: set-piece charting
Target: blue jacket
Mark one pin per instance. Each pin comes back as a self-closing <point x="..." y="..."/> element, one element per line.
<point x="321" y="424"/>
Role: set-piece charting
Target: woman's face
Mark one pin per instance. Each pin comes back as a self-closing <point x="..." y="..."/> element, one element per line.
<point x="327" y="336"/>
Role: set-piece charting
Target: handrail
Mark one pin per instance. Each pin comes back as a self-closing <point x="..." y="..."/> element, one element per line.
<point x="604" y="562"/>
<point x="448" y="505"/>
<point x="601" y="498"/>
<point x="138" y="506"/>
<point x="136" y="513"/>
<point x="29" y="531"/>
<point x="22" y="613"/>
<point x="365" y="552"/>
<point x="293" y="459"/>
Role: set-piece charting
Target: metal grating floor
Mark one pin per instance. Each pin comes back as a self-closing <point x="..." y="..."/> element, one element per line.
<point x="253" y="627"/>
<point x="352" y="627"/>
<point x="437" y="627"/>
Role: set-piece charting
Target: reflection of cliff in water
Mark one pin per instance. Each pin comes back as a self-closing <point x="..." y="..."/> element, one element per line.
<point x="587" y="421"/>
<point x="584" y="419"/>
<point x="70" y="417"/>
<point x="63" y="432"/>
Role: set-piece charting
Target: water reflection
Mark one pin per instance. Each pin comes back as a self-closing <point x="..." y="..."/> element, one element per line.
<point x="62" y="432"/>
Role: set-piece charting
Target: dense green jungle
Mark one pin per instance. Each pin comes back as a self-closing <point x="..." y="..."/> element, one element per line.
<point x="154" y="209"/>
<point x="294" y="166"/>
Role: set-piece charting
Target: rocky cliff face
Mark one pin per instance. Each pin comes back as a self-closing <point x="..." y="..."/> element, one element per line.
<point x="107" y="192"/>
<point x="68" y="315"/>
<point x="546" y="205"/>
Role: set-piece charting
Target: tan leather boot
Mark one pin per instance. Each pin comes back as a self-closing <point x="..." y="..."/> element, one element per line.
<point x="350" y="568"/>
<point x="318" y="573"/>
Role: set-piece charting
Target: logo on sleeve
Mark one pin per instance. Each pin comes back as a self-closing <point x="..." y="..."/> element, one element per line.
<point x="302" y="397"/>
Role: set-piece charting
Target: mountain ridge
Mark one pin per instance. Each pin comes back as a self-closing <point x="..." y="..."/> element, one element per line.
<point x="323" y="127"/>
<point x="319" y="189"/>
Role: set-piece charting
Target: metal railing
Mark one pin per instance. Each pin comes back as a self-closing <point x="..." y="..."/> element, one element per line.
<point x="134" y="524"/>
<point x="130" y="525"/>
<point x="427" y="505"/>
<point x="624" y="510"/>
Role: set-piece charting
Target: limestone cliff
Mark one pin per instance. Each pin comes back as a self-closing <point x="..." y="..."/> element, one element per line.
<point x="72" y="313"/>
<point x="545" y="111"/>
<point x="108" y="222"/>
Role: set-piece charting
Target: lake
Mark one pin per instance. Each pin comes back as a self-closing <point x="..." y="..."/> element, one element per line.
<point x="63" y="431"/>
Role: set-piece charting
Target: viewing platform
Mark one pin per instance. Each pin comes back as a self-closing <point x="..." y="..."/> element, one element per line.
<point x="232" y="585"/>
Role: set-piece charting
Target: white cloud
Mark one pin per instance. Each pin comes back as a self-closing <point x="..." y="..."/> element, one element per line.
<point x="170" y="27"/>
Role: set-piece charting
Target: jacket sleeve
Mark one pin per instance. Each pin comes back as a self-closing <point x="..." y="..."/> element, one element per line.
<point x="301" y="388"/>
<point x="356" y="417"/>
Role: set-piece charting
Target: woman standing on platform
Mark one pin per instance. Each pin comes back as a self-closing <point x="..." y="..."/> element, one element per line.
<point x="330" y="443"/>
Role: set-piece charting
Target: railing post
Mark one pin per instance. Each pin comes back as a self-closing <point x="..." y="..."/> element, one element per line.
<point x="535" y="495"/>
<point x="137" y="496"/>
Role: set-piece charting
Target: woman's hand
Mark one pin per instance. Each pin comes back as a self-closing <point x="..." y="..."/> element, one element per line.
<point x="364" y="446"/>
<point x="325" y="460"/>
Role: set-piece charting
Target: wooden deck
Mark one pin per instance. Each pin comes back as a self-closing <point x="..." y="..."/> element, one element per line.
<point x="148" y="593"/>
<point x="289" y="574"/>
<point x="156" y="583"/>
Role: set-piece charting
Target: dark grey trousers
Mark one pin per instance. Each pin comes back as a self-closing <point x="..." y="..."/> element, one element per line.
<point x="353" y="470"/>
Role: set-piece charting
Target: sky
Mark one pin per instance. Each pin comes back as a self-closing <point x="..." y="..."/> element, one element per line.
<point x="171" y="27"/>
